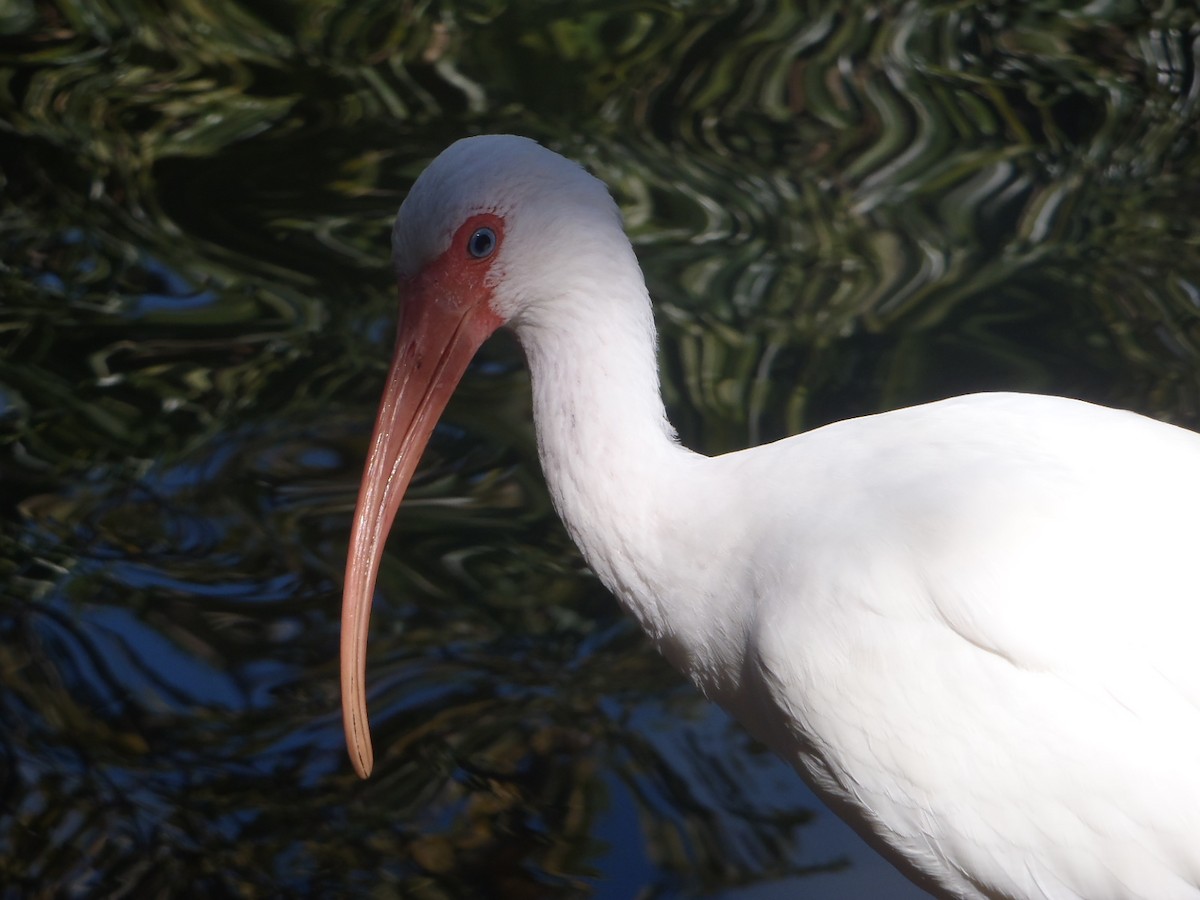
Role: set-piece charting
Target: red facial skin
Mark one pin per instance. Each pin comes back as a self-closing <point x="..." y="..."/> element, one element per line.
<point x="446" y="314"/>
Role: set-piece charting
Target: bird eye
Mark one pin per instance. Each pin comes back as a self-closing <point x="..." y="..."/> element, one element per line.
<point x="482" y="243"/>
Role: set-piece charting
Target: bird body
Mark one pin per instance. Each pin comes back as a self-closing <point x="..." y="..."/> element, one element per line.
<point x="970" y="625"/>
<point x="963" y="647"/>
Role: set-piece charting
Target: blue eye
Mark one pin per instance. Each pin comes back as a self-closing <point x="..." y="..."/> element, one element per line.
<point x="482" y="243"/>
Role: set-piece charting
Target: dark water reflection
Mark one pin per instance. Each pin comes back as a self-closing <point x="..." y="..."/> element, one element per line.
<point x="839" y="211"/>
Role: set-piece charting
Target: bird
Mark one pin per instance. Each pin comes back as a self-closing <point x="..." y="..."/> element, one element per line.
<point x="971" y="625"/>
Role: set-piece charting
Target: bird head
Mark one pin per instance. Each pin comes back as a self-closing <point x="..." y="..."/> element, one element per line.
<point x="493" y="232"/>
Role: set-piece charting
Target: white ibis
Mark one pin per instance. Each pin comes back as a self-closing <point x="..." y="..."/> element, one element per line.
<point x="973" y="626"/>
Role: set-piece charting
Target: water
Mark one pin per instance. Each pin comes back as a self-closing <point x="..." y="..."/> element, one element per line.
<point x="839" y="210"/>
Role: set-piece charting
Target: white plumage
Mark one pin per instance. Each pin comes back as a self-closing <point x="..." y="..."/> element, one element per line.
<point x="971" y="625"/>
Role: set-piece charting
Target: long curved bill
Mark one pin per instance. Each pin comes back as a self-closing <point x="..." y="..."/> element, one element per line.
<point x="437" y="337"/>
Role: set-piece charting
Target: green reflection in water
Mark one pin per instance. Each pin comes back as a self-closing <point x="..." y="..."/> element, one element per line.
<point x="839" y="210"/>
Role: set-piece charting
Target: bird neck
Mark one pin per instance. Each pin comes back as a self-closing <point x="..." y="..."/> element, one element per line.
<point x="610" y="457"/>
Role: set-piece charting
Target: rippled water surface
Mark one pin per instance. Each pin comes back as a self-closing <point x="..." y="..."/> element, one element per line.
<point x="839" y="208"/>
